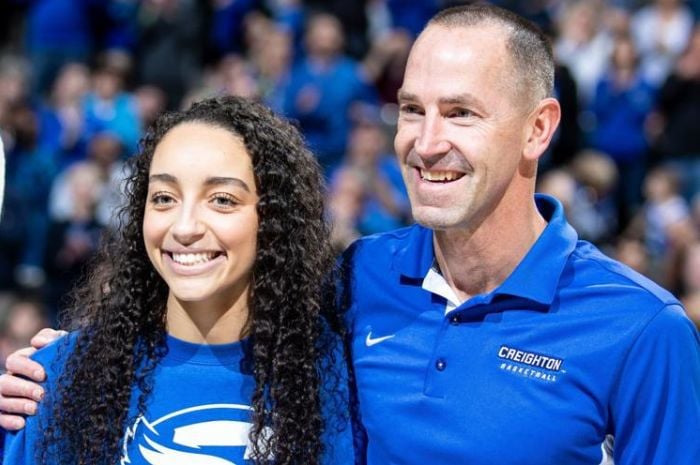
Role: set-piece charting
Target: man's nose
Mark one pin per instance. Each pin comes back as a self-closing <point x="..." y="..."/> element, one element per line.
<point x="431" y="141"/>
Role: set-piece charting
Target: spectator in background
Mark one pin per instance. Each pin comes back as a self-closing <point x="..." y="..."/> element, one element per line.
<point x="567" y="140"/>
<point x="622" y="103"/>
<point x="63" y="116"/>
<point x="108" y="107"/>
<point x="661" y="31"/>
<point x="237" y="78"/>
<point x="583" y="45"/>
<point x="150" y="102"/>
<point x="664" y="212"/>
<point x="675" y="122"/>
<point x="367" y="193"/>
<point x="232" y="75"/>
<point x="226" y="30"/>
<point x="75" y="234"/>
<point x="30" y="171"/>
<point x="14" y="85"/>
<point x="385" y="63"/>
<point x="169" y="54"/>
<point x="352" y="18"/>
<point x="323" y="89"/>
<point x="20" y="318"/>
<point x="344" y="207"/>
<point x="104" y="154"/>
<point x="288" y="15"/>
<point x="585" y="190"/>
<point x="58" y="32"/>
<point x="271" y="58"/>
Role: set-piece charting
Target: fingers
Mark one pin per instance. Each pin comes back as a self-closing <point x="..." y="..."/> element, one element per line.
<point x="17" y="397"/>
<point x="11" y="422"/>
<point x="19" y="363"/>
<point x="46" y="336"/>
<point x="12" y="406"/>
<point x="14" y="387"/>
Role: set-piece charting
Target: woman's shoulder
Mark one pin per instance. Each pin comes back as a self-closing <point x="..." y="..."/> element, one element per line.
<point x="53" y="355"/>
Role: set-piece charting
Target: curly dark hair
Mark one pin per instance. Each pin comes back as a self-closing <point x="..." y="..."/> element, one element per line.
<point x="119" y="312"/>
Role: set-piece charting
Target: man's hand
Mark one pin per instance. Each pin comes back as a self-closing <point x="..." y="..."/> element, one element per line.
<point x="18" y="396"/>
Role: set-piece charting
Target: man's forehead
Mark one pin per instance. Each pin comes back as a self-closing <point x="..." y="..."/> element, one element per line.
<point x="442" y="47"/>
<point x="459" y="62"/>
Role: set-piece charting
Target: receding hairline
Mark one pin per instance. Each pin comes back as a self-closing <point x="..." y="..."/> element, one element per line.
<point x="528" y="48"/>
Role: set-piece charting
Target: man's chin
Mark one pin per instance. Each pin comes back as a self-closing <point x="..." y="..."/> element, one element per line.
<point x="436" y="218"/>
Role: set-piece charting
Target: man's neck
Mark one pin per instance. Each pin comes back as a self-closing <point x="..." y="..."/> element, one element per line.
<point x="476" y="261"/>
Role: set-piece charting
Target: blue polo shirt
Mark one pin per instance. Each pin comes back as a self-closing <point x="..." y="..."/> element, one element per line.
<point x="573" y="353"/>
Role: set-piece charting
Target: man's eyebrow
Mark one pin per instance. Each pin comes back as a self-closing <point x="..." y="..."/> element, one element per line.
<point x="403" y="95"/>
<point x="457" y="99"/>
<point x="465" y="98"/>
<point x="212" y="181"/>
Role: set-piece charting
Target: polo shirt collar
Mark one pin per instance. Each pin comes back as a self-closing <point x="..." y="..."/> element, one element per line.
<point x="535" y="278"/>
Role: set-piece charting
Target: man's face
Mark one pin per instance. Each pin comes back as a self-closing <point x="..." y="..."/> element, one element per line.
<point x="461" y="128"/>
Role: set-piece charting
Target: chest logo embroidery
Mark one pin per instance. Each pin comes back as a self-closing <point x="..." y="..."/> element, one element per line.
<point x="530" y="364"/>
<point x="370" y="341"/>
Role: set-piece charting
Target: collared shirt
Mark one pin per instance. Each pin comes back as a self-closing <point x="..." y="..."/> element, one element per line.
<point x="437" y="284"/>
<point x="573" y="348"/>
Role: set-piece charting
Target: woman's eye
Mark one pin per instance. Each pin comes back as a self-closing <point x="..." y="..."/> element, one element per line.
<point x="160" y="198"/>
<point x="224" y="200"/>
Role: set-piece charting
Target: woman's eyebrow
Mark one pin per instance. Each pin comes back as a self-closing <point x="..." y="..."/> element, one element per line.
<point x="211" y="181"/>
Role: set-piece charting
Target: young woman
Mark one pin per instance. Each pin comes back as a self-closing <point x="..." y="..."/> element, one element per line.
<point x="199" y="337"/>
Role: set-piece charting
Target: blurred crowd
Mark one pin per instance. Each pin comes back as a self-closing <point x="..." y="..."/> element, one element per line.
<point x="80" y="80"/>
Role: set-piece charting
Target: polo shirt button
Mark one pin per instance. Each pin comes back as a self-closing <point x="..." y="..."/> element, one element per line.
<point x="440" y="364"/>
<point x="454" y="320"/>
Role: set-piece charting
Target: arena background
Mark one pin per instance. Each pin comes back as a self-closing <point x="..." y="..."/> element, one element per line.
<point x="81" y="79"/>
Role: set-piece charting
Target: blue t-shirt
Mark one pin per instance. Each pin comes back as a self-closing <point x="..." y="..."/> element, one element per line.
<point x="572" y="352"/>
<point x="199" y="412"/>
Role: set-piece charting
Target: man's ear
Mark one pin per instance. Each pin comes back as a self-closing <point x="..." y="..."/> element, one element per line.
<point x="541" y="126"/>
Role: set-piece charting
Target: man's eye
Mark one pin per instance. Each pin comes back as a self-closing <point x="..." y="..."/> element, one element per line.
<point x="461" y="113"/>
<point x="410" y="109"/>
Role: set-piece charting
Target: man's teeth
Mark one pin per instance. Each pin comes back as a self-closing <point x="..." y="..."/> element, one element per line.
<point x="439" y="175"/>
<point x="192" y="258"/>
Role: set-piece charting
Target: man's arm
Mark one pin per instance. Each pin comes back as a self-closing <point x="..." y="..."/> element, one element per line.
<point x="18" y="396"/>
<point x="655" y="407"/>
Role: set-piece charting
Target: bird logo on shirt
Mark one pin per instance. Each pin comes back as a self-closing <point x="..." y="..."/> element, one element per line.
<point x="213" y="434"/>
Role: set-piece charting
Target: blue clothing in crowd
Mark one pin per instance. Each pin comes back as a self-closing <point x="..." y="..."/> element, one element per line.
<point x="320" y="97"/>
<point x="621" y="113"/>
<point x="118" y="116"/>
<point x="29" y="174"/>
<point x="572" y="352"/>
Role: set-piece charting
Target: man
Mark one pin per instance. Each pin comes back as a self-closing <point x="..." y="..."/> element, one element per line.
<point x="488" y="334"/>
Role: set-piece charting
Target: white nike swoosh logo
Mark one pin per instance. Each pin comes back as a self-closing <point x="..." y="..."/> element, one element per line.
<point x="369" y="342"/>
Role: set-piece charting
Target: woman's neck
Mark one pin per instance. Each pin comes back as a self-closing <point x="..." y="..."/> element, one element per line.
<point x="208" y="322"/>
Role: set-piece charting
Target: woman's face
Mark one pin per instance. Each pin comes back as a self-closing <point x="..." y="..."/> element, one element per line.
<point x="201" y="223"/>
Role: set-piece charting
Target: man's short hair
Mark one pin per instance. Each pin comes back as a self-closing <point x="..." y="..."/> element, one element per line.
<point x="529" y="48"/>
